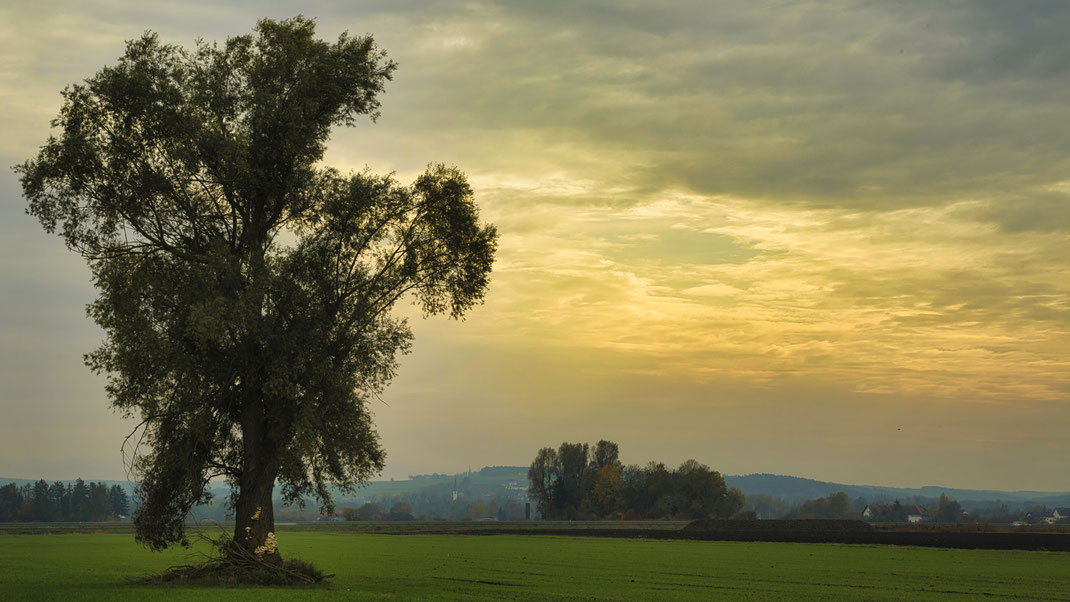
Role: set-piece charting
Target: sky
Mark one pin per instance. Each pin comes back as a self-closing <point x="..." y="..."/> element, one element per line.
<point x="820" y="239"/>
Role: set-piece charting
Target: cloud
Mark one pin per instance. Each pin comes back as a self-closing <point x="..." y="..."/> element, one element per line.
<point x="711" y="290"/>
<point x="734" y="207"/>
<point x="812" y="105"/>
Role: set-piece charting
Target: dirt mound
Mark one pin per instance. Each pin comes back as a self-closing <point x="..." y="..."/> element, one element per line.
<point x="714" y="525"/>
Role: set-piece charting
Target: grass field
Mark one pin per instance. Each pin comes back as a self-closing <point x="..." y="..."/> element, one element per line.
<point x="96" y="566"/>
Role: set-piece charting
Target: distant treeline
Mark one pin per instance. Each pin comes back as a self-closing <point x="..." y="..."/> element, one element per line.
<point x="482" y="508"/>
<point x="62" y="503"/>
<point x="576" y="481"/>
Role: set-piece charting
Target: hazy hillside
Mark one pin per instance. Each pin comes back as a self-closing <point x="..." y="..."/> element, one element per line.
<point x="796" y="490"/>
<point x="488" y="480"/>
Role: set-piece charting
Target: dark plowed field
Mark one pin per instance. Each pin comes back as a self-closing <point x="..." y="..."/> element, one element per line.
<point x="1056" y="542"/>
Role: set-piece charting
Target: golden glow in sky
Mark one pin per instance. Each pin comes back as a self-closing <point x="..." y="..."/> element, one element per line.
<point x="821" y="240"/>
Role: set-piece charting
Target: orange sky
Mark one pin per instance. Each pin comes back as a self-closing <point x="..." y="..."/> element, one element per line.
<point x="828" y="242"/>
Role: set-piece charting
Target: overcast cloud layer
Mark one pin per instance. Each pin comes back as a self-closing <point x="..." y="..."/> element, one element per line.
<point x="824" y="240"/>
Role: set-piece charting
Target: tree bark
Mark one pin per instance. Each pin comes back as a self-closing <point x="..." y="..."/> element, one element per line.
<point x="254" y="515"/>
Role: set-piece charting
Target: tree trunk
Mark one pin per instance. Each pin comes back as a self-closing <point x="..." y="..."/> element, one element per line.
<point x="254" y="515"/>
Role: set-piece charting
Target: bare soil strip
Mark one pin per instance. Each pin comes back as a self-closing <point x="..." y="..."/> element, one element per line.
<point x="1053" y="542"/>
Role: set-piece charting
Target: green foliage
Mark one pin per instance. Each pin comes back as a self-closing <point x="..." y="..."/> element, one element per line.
<point x="118" y="502"/>
<point x="570" y="487"/>
<point x="371" y="511"/>
<point x="177" y="174"/>
<point x="560" y="480"/>
<point x="836" y="505"/>
<point x="10" y="501"/>
<point x="81" y="502"/>
<point x="947" y="511"/>
<point x="605" y="453"/>
<point x="731" y="503"/>
<point x="604" y="494"/>
<point x="542" y="479"/>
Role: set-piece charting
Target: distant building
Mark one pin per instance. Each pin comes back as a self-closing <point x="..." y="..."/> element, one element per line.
<point x="915" y="513"/>
<point x="456" y="493"/>
<point x="912" y="513"/>
<point x="1056" y="514"/>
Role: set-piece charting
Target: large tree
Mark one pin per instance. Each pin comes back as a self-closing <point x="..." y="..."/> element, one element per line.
<point x="245" y="289"/>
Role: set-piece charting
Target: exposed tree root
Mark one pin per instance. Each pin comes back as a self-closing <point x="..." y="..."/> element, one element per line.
<point x="233" y="565"/>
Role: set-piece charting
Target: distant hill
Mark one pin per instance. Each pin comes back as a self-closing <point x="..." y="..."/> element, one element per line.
<point x="490" y="479"/>
<point x="796" y="490"/>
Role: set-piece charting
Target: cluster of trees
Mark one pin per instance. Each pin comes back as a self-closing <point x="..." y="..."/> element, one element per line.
<point x="836" y="505"/>
<point x="62" y="502"/>
<point x="579" y="481"/>
<point x="947" y="511"/>
<point x="839" y="506"/>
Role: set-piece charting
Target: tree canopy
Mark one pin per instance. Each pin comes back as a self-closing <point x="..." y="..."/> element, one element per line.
<point x="244" y="288"/>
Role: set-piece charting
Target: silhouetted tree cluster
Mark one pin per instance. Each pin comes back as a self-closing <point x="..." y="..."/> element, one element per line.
<point x="577" y="481"/>
<point x="62" y="502"/>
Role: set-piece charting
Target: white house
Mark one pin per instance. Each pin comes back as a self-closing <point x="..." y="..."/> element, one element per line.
<point x="912" y="512"/>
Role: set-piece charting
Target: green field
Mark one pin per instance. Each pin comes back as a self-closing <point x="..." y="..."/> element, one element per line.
<point x="96" y="566"/>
